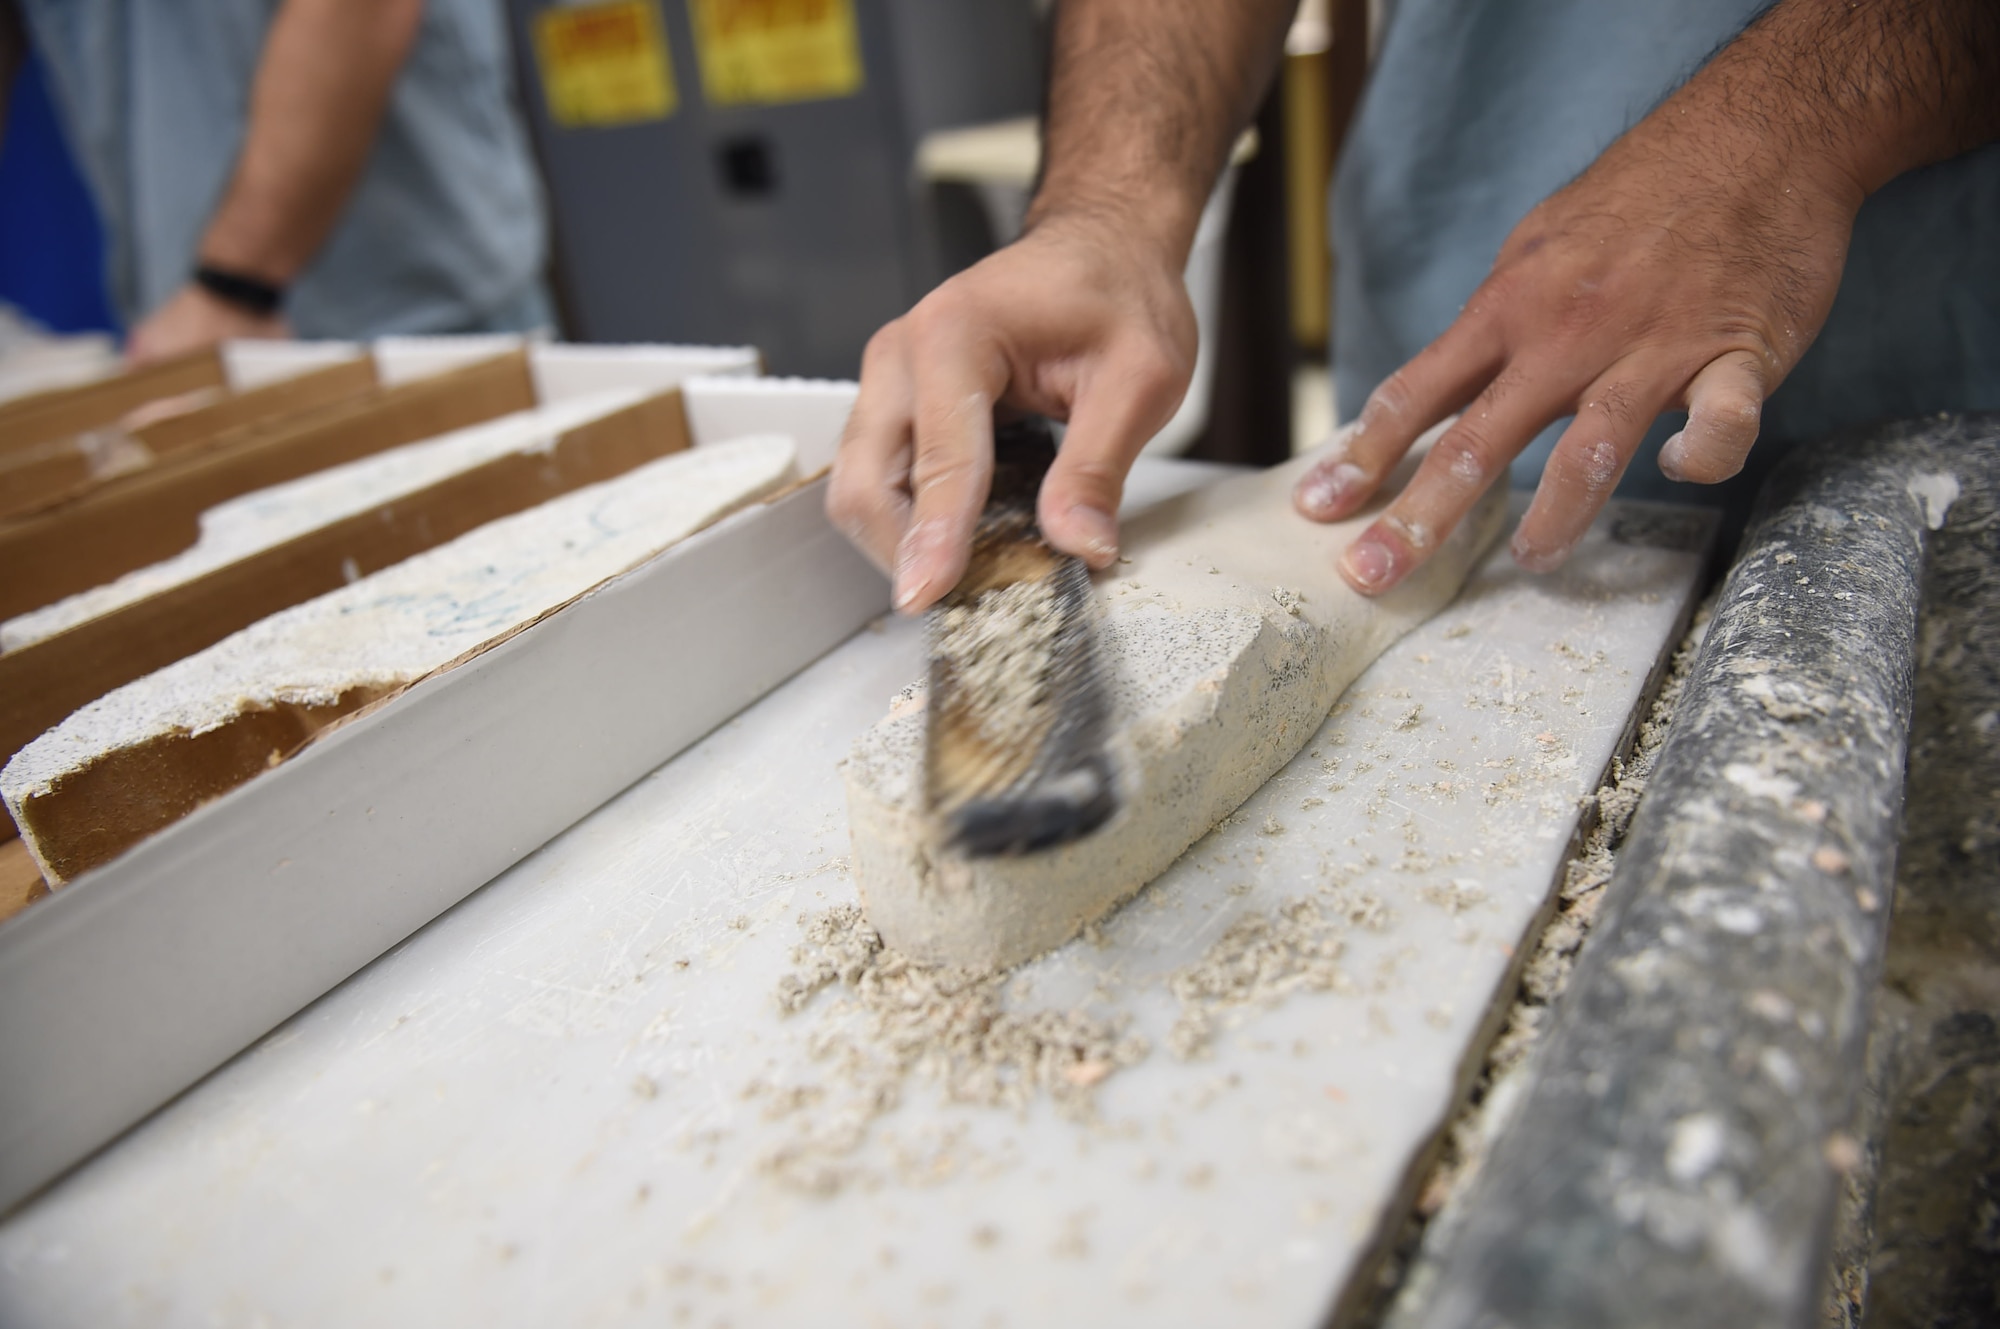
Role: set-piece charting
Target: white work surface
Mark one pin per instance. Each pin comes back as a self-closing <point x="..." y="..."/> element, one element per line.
<point x="540" y="1110"/>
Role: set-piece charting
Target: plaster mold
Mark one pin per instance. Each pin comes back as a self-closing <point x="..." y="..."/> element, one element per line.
<point x="1226" y="634"/>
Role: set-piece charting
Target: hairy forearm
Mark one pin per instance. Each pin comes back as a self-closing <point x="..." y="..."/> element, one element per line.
<point x="322" y="84"/>
<point x="1145" y="99"/>
<point x="1858" y="93"/>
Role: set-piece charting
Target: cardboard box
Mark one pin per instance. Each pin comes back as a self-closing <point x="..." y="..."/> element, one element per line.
<point x="42" y="683"/>
<point x="813" y="411"/>
<point x="141" y="518"/>
<point x="562" y="369"/>
<point x="143" y="975"/>
<point x="184" y="431"/>
<point x="45" y="474"/>
<point x="43" y="416"/>
<point x="37" y="476"/>
<point x="250" y="363"/>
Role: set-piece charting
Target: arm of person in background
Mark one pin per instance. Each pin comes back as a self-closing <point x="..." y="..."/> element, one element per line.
<point x="1084" y="318"/>
<point x="1690" y="266"/>
<point x="322" y="84"/>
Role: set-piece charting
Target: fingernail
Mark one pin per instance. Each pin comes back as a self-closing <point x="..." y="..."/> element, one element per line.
<point x="1369" y="562"/>
<point x="915" y="564"/>
<point x="1670" y="456"/>
<point x="1536" y="558"/>
<point x="1327" y="491"/>
<point x="1099" y="534"/>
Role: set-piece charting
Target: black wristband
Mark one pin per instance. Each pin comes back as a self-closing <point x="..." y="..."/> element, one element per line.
<point x="251" y="294"/>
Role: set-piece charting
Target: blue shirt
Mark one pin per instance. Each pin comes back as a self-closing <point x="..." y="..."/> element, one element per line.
<point x="1478" y="109"/>
<point x="444" y="231"/>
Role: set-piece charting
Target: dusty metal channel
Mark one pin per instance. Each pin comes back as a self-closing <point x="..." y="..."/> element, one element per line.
<point x="1677" y="1152"/>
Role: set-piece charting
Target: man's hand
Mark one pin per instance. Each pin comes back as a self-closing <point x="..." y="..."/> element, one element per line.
<point x="1654" y="281"/>
<point x="1085" y="318"/>
<point x="192" y="319"/>
<point x="1073" y="321"/>
<point x="1691" y="266"/>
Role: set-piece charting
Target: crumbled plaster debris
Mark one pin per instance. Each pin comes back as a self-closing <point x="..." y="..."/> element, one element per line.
<point x="1258" y="962"/>
<point x="896" y="1021"/>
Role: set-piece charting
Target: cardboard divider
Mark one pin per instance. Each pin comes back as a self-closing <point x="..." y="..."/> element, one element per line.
<point x="273" y="401"/>
<point x="21" y="881"/>
<point x="42" y="683"/>
<point x="49" y="473"/>
<point x="153" y="514"/>
<point x="34" y="478"/>
<point x="65" y="411"/>
<point x="97" y="813"/>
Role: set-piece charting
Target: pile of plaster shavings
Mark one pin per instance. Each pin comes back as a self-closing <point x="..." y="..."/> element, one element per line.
<point x="896" y="1020"/>
<point x="1000" y="649"/>
<point x="1257" y="963"/>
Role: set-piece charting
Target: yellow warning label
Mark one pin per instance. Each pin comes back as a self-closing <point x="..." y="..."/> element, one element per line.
<point x="765" y="51"/>
<point x="605" y="64"/>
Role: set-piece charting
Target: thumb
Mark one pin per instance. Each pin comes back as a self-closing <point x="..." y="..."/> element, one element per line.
<point x="1725" y="405"/>
<point x="1120" y="409"/>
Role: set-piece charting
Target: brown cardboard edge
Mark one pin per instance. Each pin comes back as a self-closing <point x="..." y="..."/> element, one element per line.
<point x="31" y="485"/>
<point x="271" y="402"/>
<point x="42" y="683"/>
<point x="21" y="881"/>
<point x="152" y="514"/>
<point x="62" y="411"/>
<point x="32" y="479"/>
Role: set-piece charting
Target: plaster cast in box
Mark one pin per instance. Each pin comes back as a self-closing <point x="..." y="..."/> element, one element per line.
<point x="1226" y="635"/>
<point x="149" y="752"/>
<point x="264" y="518"/>
<point x="153" y="514"/>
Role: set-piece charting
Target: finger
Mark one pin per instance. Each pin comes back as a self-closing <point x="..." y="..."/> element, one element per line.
<point x="1725" y="406"/>
<point x="1126" y="401"/>
<point x="1441" y="378"/>
<point x="1460" y="467"/>
<point x="1586" y="463"/>
<point x="954" y="384"/>
<point x="868" y="497"/>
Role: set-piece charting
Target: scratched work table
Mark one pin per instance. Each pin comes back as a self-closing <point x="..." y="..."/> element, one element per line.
<point x="570" y="1099"/>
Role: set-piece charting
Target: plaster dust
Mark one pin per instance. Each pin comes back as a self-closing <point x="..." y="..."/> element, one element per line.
<point x="1257" y="963"/>
<point x="901" y="1019"/>
<point x="395" y="626"/>
<point x="1226" y="636"/>
<point x="268" y="517"/>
